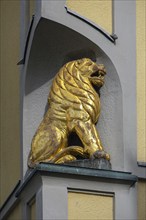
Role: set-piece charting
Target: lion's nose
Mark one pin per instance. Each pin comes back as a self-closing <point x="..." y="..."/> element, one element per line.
<point x="95" y="68"/>
<point x="102" y="68"/>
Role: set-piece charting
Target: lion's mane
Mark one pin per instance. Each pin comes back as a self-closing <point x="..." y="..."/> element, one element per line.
<point x="72" y="89"/>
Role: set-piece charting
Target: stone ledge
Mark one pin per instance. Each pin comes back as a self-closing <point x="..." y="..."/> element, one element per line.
<point x="66" y="170"/>
<point x="99" y="163"/>
<point x="141" y="164"/>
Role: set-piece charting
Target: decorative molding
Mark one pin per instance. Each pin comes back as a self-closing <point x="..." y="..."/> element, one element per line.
<point x="113" y="37"/>
<point x="69" y="171"/>
<point x="141" y="164"/>
<point x="22" y="61"/>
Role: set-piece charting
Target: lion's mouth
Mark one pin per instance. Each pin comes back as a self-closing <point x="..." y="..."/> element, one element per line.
<point x="97" y="77"/>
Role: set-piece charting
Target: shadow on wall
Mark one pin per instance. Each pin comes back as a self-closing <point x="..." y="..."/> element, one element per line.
<point x="54" y="45"/>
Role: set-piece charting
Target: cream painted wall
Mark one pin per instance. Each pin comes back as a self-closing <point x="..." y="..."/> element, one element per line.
<point x="141" y="78"/>
<point x="141" y="99"/>
<point x="89" y="206"/>
<point x="99" y="12"/>
<point x="9" y="96"/>
<point x="31" y="8"/>
<point x="32" y="207"/>
<point x="142" y="200"/>
<point x="15" y="214"/>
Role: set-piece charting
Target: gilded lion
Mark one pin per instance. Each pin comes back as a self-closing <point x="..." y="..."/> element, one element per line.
<point x="74" y="106"/>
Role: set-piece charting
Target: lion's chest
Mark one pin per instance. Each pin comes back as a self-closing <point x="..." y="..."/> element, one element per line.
<point x="92" y="106"/>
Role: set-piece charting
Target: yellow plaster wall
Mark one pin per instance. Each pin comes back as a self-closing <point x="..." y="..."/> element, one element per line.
<point x="9" y="96"/>
<point x="141" y="200"/>
<point x="31" y="8"/>
<point x="89" y="206"/>
<point x="99" y="12"/>
<point x="16" y="213"/>
<point x="32" y="207"/>
<point x="141" y="99"/>
<point x="141" y="77"/>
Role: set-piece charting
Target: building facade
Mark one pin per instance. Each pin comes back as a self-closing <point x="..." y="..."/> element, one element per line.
<point x="40" y="36"/>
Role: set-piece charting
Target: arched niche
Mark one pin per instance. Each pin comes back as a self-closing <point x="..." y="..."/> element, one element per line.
<point x="53" y="45"/>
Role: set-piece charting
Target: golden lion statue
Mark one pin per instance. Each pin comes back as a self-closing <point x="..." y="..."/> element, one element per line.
<point x="74" y="106"/>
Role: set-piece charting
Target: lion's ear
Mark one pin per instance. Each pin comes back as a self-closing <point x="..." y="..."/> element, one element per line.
<point x="79" y="62"/>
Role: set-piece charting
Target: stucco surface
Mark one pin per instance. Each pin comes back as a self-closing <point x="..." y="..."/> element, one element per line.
<point x="100" y="12"/>
<point x="141" y="78"/>
<point x="15" y="214"/>
<point x="89" y="206"/>
<point x="141" y="200"/>
<point x="9" y="96"/>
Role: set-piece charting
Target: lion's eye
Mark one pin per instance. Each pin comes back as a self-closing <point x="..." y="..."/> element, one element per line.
<point x="89" y="63"/>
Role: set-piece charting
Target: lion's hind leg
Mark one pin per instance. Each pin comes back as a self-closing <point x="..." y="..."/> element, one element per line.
<point x="45" y="145"/>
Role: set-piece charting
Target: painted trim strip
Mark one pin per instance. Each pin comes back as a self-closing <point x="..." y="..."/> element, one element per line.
<point x="113" y="37"/>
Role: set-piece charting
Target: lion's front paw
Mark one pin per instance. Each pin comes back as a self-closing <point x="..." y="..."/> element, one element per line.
<point x="100" y="154"/>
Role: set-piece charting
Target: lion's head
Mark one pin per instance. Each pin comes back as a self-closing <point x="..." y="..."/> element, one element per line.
<point x="94" y="72"/>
